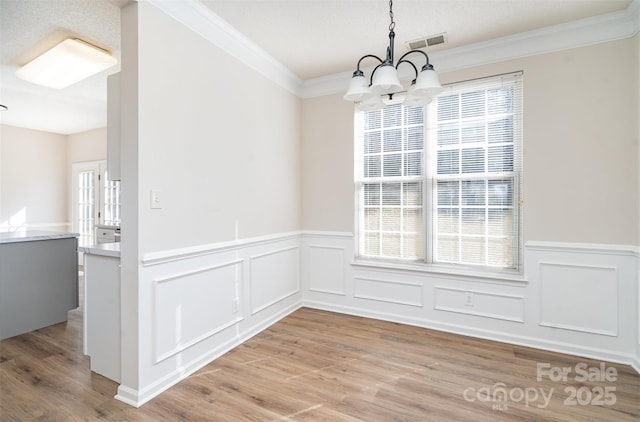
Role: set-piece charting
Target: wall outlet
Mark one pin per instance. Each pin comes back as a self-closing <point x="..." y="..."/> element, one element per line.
<point x="235" y="305"/>
<point x="468" y="299"/>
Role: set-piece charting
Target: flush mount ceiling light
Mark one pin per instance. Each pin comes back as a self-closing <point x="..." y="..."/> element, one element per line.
<point x="65" y="64"/>
<point x="384" y="79"/>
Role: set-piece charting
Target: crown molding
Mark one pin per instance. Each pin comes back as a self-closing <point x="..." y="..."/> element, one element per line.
<point x="594" y="30"/>
<point x="202" y="20"/>
<point x="584" y="32"/>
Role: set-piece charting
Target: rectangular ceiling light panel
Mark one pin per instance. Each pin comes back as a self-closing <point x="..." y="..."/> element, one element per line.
<point x="65" y="64"/>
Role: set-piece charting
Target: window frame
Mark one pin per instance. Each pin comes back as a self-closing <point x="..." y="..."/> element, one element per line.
<point x="429" y="180"/>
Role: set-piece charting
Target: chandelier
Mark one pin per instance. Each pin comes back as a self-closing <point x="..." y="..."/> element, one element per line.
<point x="384" y="79"/>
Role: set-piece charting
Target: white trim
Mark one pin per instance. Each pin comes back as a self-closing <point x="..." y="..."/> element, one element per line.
<point x="170" y="255"/>
<point x="588" y="248"/>
<point x="552" y="346"/>
<point x="202" y="20"/>
<point x="594" y="30"/>
<point x="493" y="315"/>
<point x="449" y="272"/>
<point x="418" y="303"/>
<point x="584" y="32"/>
<point x="137" y="398"/>
<point x="183" y="346"/>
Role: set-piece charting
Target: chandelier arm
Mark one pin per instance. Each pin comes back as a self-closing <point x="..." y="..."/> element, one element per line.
<point x="373" y="72"/>
<point x="415" y="69"/>
<point x="425" y="67"/>
<point x="359" y="72"/>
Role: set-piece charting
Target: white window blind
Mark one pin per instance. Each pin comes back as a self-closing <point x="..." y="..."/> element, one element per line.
<point x="448" y="191"/>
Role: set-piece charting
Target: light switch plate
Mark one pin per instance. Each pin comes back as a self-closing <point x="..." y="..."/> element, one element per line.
<point x="156" y="199"/>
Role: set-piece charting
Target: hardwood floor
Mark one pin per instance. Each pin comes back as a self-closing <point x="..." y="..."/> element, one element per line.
<point x="321" y="366"/>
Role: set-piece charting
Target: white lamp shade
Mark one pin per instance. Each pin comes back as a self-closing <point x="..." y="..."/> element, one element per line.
<point x="358" y="89"/>
<point x="427" y="84"/>
<point x="372" y="103"/>
<point x="412" y="99"/>
<point x="385" y="80"/>
<point x="65" y="64"/>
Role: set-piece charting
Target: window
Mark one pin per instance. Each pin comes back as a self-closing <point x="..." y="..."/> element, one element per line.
<point x="441" y="184"/>
<point x="95" y="199"/>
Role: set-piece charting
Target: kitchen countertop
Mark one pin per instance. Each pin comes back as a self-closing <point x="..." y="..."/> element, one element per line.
<point x="104" y="249"/>
<point x="32" y="235"/>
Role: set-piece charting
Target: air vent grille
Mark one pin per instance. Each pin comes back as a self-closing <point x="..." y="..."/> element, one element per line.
<point x="427" y="41"/>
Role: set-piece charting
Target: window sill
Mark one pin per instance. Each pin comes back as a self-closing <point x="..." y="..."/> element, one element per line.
<point x="485" y="275"/>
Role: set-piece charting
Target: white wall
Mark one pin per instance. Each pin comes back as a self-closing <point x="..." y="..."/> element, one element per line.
<point x="227" y="169"/>
<point x="87" y="146"/>
<point x="579" y="290"/>
<point x="35" y="175"/>
<point x="33" y="179"/>
<point x="580" y="182"/>
<point x="220" y="141"/>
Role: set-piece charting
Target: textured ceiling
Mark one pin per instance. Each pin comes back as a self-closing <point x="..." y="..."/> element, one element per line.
<point x="310" y="37"/>
<point x="30" y="27"/>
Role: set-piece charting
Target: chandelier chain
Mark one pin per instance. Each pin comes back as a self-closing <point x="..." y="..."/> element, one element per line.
<point x="392" y="25"/>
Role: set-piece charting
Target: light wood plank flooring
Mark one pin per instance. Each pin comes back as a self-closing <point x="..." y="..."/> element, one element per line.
<point x="319" y="366"/>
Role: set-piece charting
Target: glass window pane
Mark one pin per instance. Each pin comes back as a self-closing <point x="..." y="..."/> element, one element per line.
<point x="372" y="142"/>
<point x="449" y="162"/>
<point x="372" y="166"/>
<point x="391" y="245"/>
<point x="472" y="250"/>
<point x="500" y="252"/>
<point x="415" y="138"/>
<point x="372" y="119"/>
<point x="500" y="100"/>
<point x="448" y="133"/>
<point x="448" y="220"/>
<point x="372" y="194"/>
<point x="391" y="219"/>
<point x="391" y="193"/>
<point x="413" y="247"/>
<point x="500" y="130"/>
<point x="473" y="104"/>
<point x="473" y="131"/>
<point x="412" y="193"/>
<point x="414" y="115"/>
<point x="473" y="221"/>
<point x="449" y="107"/>
<point x="392" y="140"/>
<point x="372" y="219"/>
<point x="412" y="220"/>
<point x="392" y="165"/>
<point x="392" y="115"/>
<point x="413" y="164"/>
<point x="448" y="248"/>
<point x="448" y="193"/>
<point x="500" y="192"/>
<point x="372" y="244"/>
<point x="473" y="192"/>
<point x="473" y="160"/>
<point x="500" y="222"/>
<point x="501" y="159"/>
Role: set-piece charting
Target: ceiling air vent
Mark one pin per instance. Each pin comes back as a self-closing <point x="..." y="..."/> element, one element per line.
<point x="427" y="42"/>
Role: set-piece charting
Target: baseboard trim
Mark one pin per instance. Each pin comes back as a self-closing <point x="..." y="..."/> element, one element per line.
<point x="558" y="347"/>
<point x="137" y="398"/>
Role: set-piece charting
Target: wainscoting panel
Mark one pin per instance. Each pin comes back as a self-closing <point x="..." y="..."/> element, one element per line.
<point x="326" y="270"/>
<point x="192" y="306"/>
<point x="281" y="265"/>
<point x="479" y="303"/>
<point x="589" y="292"/>
<point x="399" y="292"/>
